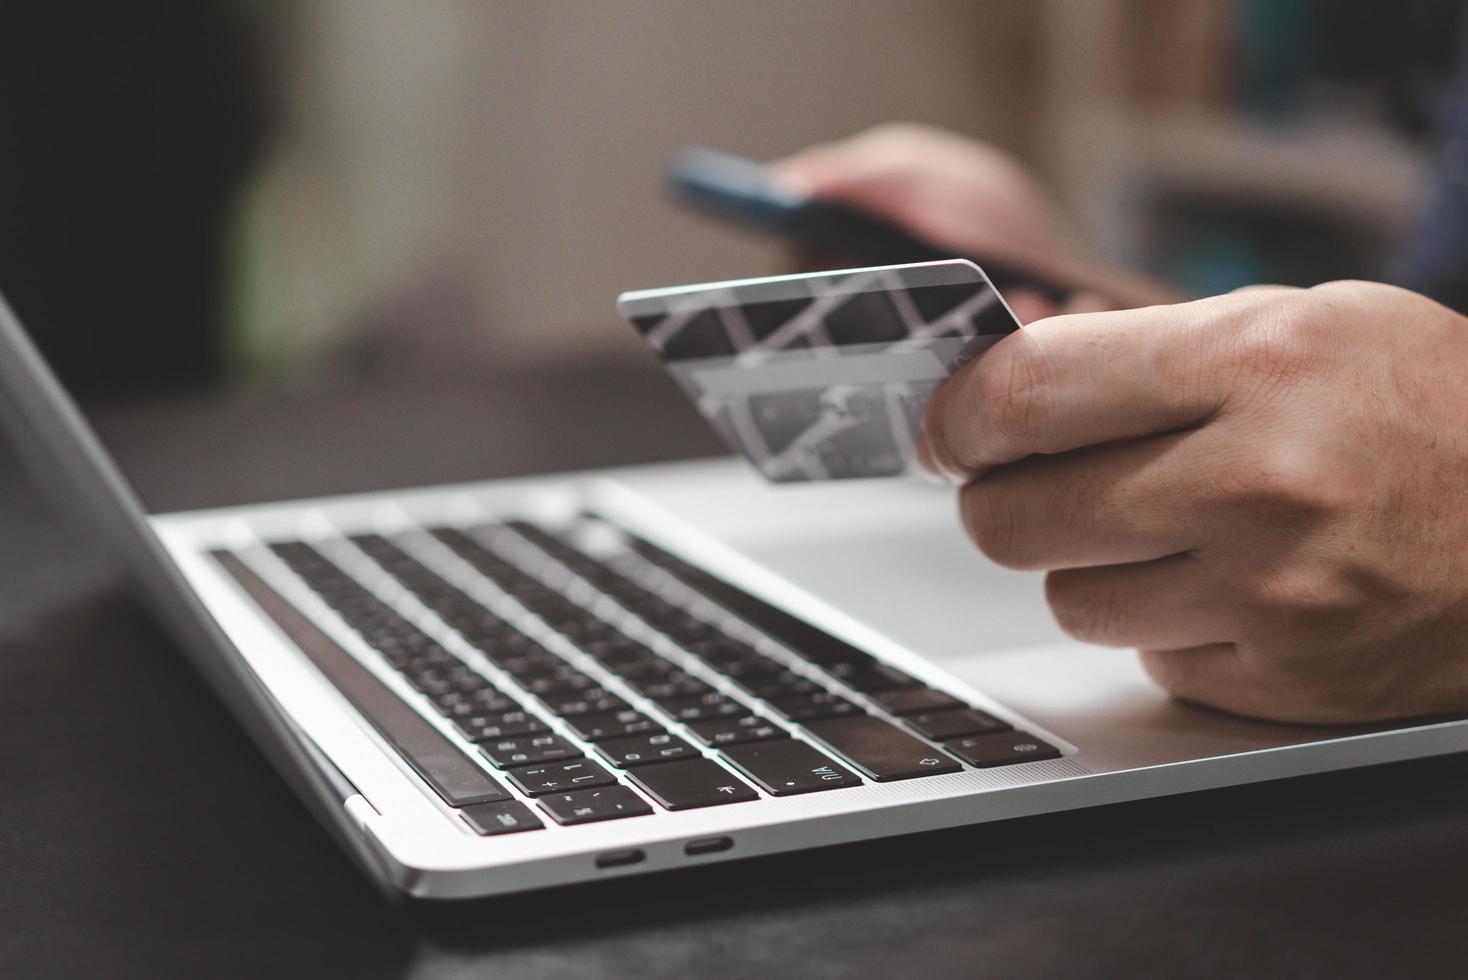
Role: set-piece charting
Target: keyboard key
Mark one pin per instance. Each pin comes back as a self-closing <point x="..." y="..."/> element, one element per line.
<point x="589" y="701"/>
<point x="725" y="649"/>
<point x="480" y="627"/>
<point x="1002" y="749"/>
<point x="690" y="784"/>
<point x="465" y="679"/>
<point x="509" y="817"/>
<point x="653" y="609"/>
<point x="915" y="700"/>
<point x="428" y="681"/>
<point x="642" y="750"/>
<point x="702" y="707"/>
<point x="559" y="777"/>
<point x="591" y="805"/>
<point x="880" y="750"/>
<point x="529" y="661"/>
<point x="733" y="731"/>
<point x="419" y="657"/>
<point x="751" y="674"/>
<point x="734" y="658"/>
<point x="618" y="647"/>
<point x="675" y="684"/>
<point x="784" y="684"/>
<point x="613" y="724"/>
<point x="817" y="704"/>
<point x="486" y="701"/>
<point x="787" y="767"/>
<point x="562" y="680"/>
<point x="687" y="629"/>
<point x="870" y="677"/>
<point x="528" y="750"/>
<point x="508" y="724"/>
<point x="940" y="726"/>
<point x="580" y="626"/>
<point x="640" y="667"/>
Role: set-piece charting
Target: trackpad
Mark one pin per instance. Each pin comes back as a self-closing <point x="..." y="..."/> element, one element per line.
<point x="1101" y="701"/>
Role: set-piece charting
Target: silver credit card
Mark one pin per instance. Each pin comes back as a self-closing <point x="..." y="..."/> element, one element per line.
<point x="822" y="376"/>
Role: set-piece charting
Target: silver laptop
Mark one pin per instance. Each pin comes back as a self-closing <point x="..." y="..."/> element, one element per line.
<point x="510" y="685"/>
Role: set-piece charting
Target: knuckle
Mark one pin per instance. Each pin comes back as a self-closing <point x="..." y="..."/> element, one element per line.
<point x="996" y="410"/>
<point x="1012" y="397"/>
<point x="1359" y="306"/>
<point x="1084" y="611"/>
<point x="1168" y="670"/>
<point x="992" y="523"/>
<point x="1298" y="479"/>
<point x="943" y="430"/>
<point x="1314" y="690"/>
<point x="1245" y="482"/>
<point x="1282" y="342"/>
<point x="1078" y="503"/>
<point x="1355" y="290"/>
<point x="1309" y="598"/>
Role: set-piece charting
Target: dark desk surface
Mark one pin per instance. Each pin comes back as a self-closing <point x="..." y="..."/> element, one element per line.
<point x="142" y="835"/>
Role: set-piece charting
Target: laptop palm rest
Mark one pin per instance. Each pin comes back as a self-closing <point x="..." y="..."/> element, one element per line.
<point x="1102" y="701"/>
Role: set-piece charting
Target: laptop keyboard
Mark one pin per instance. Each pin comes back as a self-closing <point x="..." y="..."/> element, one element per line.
<point x="616" y="680"/>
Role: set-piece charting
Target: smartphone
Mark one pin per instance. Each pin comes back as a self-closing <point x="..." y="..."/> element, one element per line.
<point x="745" y="192"/>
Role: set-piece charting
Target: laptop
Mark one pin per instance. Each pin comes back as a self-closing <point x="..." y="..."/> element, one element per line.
<point x="495" y="687"/>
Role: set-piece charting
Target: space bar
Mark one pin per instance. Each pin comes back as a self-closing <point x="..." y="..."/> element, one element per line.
<point x="451" y="773"/>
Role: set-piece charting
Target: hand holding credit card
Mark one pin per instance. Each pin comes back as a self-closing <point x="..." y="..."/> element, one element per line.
<point x="822" y="376"/>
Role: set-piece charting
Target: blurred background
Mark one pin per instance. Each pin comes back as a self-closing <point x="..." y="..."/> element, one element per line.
<point x="245" y="230"/>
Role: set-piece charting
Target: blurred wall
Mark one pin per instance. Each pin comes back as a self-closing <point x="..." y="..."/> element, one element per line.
<point x="494" y="169"/>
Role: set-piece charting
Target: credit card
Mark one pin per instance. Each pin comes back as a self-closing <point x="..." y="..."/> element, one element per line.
<point x="822" y="376"/>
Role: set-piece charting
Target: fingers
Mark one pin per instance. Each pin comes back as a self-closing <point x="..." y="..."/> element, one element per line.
<point x="1213" y="675"/>
<point x="870" y="172"/>
<point x="1080" y="380"/>
<point x="1221" y="676"/>
<point x="1169" y="603"/>
<point x="953" y="191"/>
<point x="1027" y="305"/>
<point x="873" y="157"/>
<point x="1109" y="505"/>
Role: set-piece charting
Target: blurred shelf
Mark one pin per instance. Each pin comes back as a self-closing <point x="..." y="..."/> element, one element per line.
<point x="1349" y="168"/>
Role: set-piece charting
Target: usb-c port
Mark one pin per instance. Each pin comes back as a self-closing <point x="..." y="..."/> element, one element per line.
<point x="617" y="859"/>
<point x="707" y="845"/>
